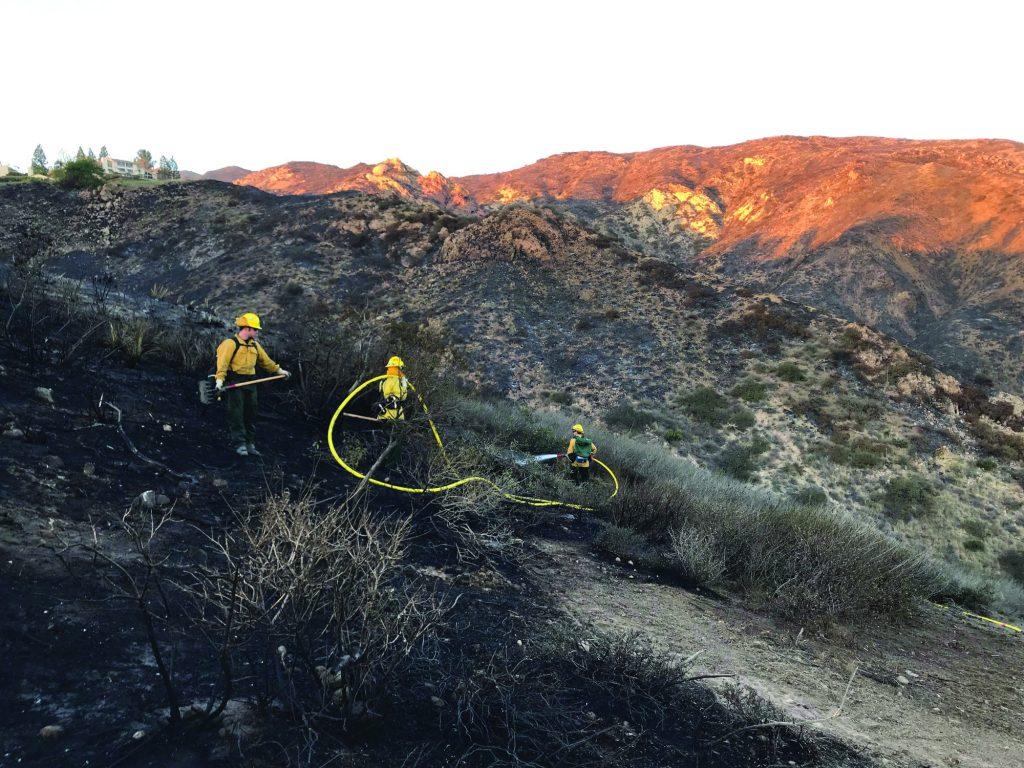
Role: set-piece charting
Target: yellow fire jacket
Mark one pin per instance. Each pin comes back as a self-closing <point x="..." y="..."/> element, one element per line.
<point x="395" y="385"/>
<point x="249" y="355"/>
<point x="572" y="449"/>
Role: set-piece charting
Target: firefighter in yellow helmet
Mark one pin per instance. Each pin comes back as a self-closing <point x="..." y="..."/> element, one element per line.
<point x="237" y="360"/>
<point x="579" y="452"/>
<point x="393" y="390"/>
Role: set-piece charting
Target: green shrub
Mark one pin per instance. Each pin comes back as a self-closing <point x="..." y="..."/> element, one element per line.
<point x="859" y="409"/>
<point x="83" y="173"/>
<point x="791" y="372"/>
<point x="624" y="543"/>
<point x="740" y="460"/>
<point x="1012" y="561"/>
<point x="974" y="545"/>
<point x="706" y="405"/>
<point x="696" y="556"/>
<point x="751" y="390"/>
<point x="811" y="496"/>
<point x="908" y="497"/>
<point x="133" y="337"/>
<point x="988" y="464"/>
<point x="742" y="418"/>
<point x="560" y="398"/>
<point x="979" y="529"/>
<point x="804" y="561"/>
<point x="626" y="416"/>
<point x="865" y="458"/>
<point x="673" y="435"/>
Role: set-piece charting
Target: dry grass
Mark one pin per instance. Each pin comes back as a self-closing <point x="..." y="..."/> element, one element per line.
<point x="803" y="560"/>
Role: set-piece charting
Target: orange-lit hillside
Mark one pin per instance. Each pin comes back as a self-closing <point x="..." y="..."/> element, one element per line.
<point x="773" y="194"/>
<point x="925" y="195"/>
<point x="391" y="176"/>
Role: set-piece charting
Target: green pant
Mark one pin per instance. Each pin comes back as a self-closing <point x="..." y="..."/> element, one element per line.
<point x="241" y="414"/>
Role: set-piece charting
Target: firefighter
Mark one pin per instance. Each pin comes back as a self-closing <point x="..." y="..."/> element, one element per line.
<point x="393" y="391"/>
<point x="579" y="452"/>
<point x="237" y="361"/>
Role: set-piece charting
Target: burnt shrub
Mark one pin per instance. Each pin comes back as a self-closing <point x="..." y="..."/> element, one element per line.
<point x="579" y="698"/>
<point x="764" y="323"/>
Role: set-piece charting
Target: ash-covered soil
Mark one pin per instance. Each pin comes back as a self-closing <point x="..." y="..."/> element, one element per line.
<point x="80" y="682"/>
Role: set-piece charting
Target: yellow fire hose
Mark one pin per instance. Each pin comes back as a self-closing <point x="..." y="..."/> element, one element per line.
<point x="1003" y="624"/>
<point x="518" y="499"/>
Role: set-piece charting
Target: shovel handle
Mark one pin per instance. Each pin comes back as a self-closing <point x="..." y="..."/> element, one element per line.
<point x="254" y="381"/>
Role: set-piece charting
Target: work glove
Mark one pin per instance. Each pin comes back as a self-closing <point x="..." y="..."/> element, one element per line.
<point x="220" y="385"/>
<point x="285" y="373"/>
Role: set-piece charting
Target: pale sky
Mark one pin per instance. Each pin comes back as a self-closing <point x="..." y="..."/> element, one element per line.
<point x="474" y="87"/>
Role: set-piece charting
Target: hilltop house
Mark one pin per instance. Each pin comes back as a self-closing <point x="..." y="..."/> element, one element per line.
<point x="117" y="167"/>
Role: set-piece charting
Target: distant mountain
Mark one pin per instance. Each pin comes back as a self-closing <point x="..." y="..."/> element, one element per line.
<point x="389" y="177"/>
<point x="922" y="239"/>
<point x="774" y="196"/>
<point x="227" y="174"/>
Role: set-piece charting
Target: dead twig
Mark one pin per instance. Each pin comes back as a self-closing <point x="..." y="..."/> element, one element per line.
<point x="135" y="451"/>
<point x="795" y="723"/>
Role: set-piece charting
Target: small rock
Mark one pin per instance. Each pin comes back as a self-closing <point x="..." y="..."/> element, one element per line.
<point x="220" y="483"/>
<point x="89" y="469"/>
<point x="14" y="433"/>
<point x="437" y="702"/>
<point x="902" y="680"/>
<point x="618" y="559"/>
<point x="51" y="731"/>
<point x="53" y="462"/>
<point x="139" y="735"/>
<point x="147" y="499"/>
<point x="161" y="500"/>
<point x="167" y="427"/>
<point x="44" y="394"/>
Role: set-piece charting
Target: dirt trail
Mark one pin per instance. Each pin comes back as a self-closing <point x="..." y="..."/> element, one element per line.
<point x="962" y="705"/>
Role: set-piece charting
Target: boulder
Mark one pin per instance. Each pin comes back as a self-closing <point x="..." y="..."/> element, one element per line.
<point x="45" y="395"/>
<point x="152" y="500"/>
<point x="50" y="732"/>
<point x="53" y="462"/>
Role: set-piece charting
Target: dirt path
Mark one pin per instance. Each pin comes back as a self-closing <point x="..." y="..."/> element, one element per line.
<point x="962" y="704"/>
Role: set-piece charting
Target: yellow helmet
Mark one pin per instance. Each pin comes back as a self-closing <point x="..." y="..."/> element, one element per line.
<point x="248" y="320"/>
<point x="395" y="362"/>
<point x="577" y="428"/>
